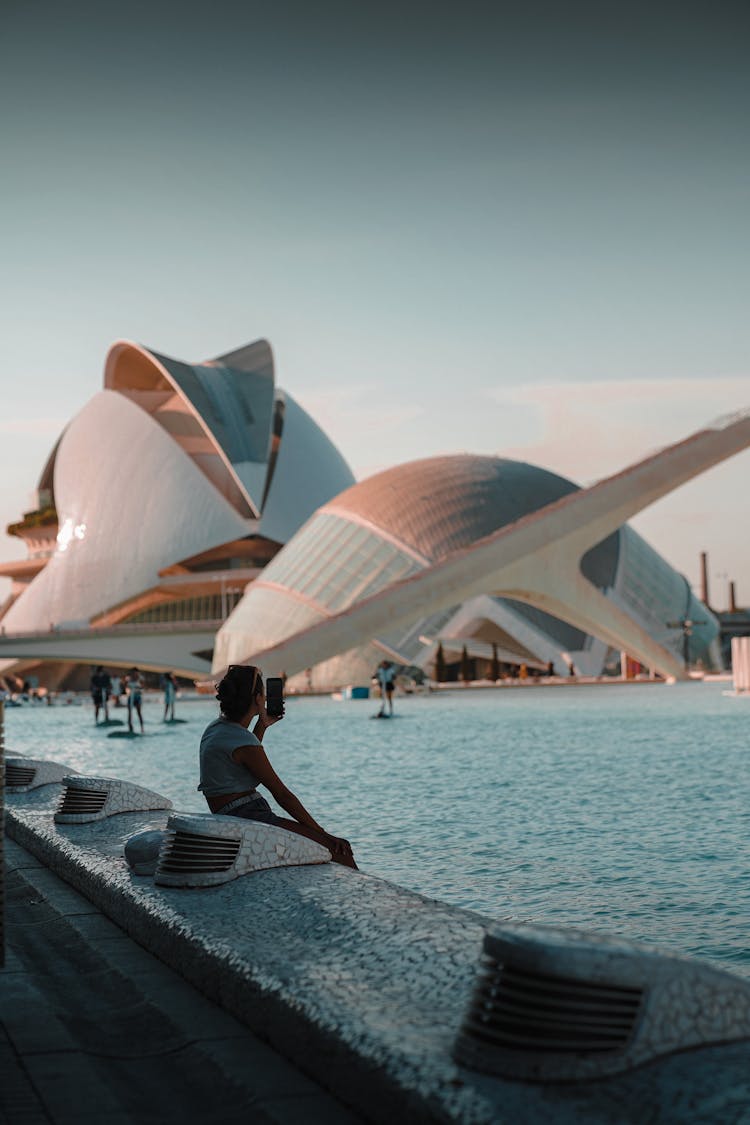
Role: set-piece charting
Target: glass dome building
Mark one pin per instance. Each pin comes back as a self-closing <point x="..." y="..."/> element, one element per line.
<point x="406" y="518"/>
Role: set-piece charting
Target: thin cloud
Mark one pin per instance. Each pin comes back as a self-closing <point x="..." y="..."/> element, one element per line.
<point x="32" y="426"/>
<point x="587" y="430"/>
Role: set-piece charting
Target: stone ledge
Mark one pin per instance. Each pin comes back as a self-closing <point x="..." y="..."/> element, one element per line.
<point x="359" y="982"/>
<point x="146" y="1040"/>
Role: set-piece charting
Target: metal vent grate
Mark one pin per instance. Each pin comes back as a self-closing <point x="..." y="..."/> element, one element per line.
<point x="563" y="1005"/>
<point x="530" y="1011"/>
<point x="19" y="775"/>
<point x="75" y="801"/>
<point x="187" y="852"/>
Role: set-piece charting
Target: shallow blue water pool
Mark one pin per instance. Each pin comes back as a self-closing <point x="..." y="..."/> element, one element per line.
<point x="622" y="808"/>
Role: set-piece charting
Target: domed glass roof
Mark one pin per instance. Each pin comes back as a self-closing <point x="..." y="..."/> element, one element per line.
<point x="443" y="504"/>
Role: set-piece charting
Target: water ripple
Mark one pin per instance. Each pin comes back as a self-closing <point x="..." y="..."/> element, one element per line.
<point x="622" y="809"/>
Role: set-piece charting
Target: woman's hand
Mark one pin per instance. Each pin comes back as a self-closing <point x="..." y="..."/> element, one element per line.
<point x="337" y="845"/>
<point x="267" y="720"/>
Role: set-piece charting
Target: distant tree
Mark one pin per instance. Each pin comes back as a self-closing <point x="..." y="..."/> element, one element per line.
<point x="495" y="666"/>
<point x="465" y="666"/>
<point x="440" y="665"/>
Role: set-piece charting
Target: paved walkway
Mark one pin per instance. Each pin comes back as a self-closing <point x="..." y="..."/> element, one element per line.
<point x="94" y="1029"/>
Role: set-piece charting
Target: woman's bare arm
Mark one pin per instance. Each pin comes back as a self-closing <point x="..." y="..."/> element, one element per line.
<point x="256" y="760"/>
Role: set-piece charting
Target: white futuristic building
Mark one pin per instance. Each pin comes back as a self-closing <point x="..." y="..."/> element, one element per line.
<point x="164" y="496"/>
<point x="192" y="516"/>
<point x="402" y="521"/>
<point x="554" y="558"/>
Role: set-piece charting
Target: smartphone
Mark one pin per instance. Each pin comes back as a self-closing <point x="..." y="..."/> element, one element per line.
<point x="275" y="696"/>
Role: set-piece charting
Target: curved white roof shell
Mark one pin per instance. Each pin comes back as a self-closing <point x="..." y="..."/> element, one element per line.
<point x="170" y="461"/>
<point x="256" y="445"/>
<point x="221" y="416"/>
<point x="129" y="502"/>
<point x="309" y="470"/>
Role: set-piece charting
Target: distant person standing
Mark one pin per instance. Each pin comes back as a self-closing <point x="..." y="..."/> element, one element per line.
<point x="117" y="689"/>
<point x="134" y="688"/>
<point x="387" y="681"/>
<point x="170" y="692"/>
<point x="100" y="689"/>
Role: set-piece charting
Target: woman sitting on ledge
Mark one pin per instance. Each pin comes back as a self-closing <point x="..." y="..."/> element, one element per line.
<point x="233" y="763"/>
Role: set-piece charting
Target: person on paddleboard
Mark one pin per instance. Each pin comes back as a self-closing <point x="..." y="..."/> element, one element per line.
<point x="387" y="680"/>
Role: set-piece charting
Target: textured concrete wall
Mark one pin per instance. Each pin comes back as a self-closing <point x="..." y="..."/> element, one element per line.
<point x="361" y="983"/>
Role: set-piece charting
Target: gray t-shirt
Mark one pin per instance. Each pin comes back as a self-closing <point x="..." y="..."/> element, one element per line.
<point x="219" y="772"/>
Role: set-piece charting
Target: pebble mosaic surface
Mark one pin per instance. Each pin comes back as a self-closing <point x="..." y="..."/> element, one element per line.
<point x="680" y="1002"/>
<point x="122" y="796"/>
<point x="360" y="982"/>
<point x="261" y="846"/>
<point x="42" y="772"/>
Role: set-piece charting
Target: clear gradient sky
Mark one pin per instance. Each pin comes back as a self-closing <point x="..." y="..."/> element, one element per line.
<point x="511" y="230"/>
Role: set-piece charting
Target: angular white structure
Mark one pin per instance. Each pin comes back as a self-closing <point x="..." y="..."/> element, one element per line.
<point x="168" y="492"/>
<point x="206" y="850"/>
<point x="86" y="799"/>
<point x="252" y="441"/>
<point x="132" y="502"/>
<point x="741" y="664"/>
<point x="179" y="488"/>
<point x="414" y="552"/>
<point x="24" y="774"/>
<point x="562" y="1005"/>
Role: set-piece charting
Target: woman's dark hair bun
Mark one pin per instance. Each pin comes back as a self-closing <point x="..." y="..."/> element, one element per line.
<point x="226" y="689"/>
<point x="235" y="692"/>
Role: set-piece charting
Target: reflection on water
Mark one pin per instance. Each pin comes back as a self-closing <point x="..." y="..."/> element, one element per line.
<point x="620" y="808"/>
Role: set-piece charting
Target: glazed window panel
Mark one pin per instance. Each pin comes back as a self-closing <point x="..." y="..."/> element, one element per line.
<point x="310" y="541"/>
<point x="656" y="595"/>
<point x="209" y="607"/>
<point x="336" y="561"/>
<point x="324" y="563"/>
<point x="285" y="567"/>
<point x="275" y="615"/>
<point x="339" y="587"/>
<point x="362" y="560"/>
<point x="340" y="595"/>
<point x="317" y="576"/>
<point x="393" y="571"/>
<point x="328" y="569"/>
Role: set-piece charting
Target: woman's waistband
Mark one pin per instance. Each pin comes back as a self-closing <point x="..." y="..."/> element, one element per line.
<point x="237" y="803"/>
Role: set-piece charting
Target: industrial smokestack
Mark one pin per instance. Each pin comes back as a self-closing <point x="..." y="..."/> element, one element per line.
<point x="732" y="599"/>
<point x="704" y="577"/>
